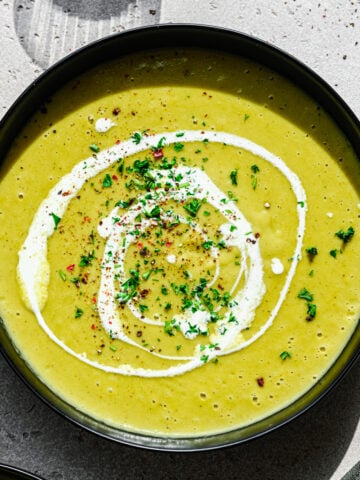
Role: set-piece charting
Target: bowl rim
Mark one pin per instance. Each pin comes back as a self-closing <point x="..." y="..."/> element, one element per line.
<point x="232" y="42"/>
<point x="17" y="473"/>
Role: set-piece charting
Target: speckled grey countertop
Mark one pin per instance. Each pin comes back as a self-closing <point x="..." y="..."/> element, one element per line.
<point x="322" y="444"/>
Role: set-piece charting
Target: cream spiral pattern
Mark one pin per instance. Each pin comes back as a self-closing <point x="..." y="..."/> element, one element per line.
<point x="33" y="268"/>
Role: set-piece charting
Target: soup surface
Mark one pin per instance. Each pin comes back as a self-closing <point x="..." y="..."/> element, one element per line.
<point x="179" y="232"/>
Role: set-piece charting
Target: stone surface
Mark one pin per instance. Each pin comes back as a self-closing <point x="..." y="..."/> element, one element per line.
<point x="322" y="444"/>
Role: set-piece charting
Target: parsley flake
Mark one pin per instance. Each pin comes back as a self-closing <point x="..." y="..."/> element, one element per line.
<point x="284" y="355"/>
<point x="56" y="220"/>
<point x="107" y="181"/>
<point x="347" y="235"/>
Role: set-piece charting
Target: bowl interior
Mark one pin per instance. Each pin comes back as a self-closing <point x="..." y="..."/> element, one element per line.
<point x="180" y="36"/>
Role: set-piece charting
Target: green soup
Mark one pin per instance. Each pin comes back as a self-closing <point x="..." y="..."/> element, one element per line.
<point x="179" y="243"/>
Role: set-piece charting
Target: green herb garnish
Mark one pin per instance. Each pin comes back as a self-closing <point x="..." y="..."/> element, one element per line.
<point x="136" y="137"/>
<point x="107" y="181"/>
<point x="192" y="207"/>
<point x="233" y="176"/>
<point x="56" y="220"/>
<point x="178" y="146"/>
<point x="311" y="251"/>
<point x="94" y="148"/>
<point x="86" y="260"/>
<point x="347" y="235"/>
<point x="284" y="355"/>
<point x="311" y="311"/>
<point x="78" y="312"/>
<point x="62" y="275"/>
<point x="305" y="295"/>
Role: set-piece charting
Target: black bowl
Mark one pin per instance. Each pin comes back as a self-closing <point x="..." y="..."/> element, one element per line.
<point x="8" y="472"/>
<point x="181" y="36"/>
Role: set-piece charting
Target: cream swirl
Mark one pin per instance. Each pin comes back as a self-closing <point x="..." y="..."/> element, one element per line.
<point x="33" y="268"/>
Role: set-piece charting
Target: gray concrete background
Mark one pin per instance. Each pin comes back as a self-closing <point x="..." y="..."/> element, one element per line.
<point x="324" y="443"/>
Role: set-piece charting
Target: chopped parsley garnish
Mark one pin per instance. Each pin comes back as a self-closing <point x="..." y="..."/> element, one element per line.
<point x="86" y="260"/>
<point x="305" y="295"/>
<point x="147" y="274"/>
<point x="334" y="252"/>
<point x="136" y="138"/>
<point x="178" y="146"/>
<point x="347" y="235"/>
<point x="170" y="326"/>
<point x="62" y="275"/>
<point x="311" y="307"/>
<point x="232" y="319"/>
<point x="255" y="169"/>
<point x="193" y="207"/>
<point x="122" y="204"/>
<point x="311" y="251"/>
<point x="107" y="181"/>
<point x="159" y="145"/>
<point x="56" y="220"/>
<point x="154" y="212"/>
<point x="141" y="166"/>
<point x="94" y="148"/>
<point x="120" y="167"/>
<point x="78" y="312"/>
<point x="207" y="245"/>
<point x="284" y="355"/>
<point x="129" y="287"/>
<point x="233" y="176"/>
<point x="311" y="311"/>
<point x="167" y="165"/>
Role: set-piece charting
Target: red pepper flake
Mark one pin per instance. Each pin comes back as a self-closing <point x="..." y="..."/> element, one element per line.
<point x="117" y="142"/>
<point x="93" y="326"/>
<point x="87" y="219"/>
<point x="65" y="194"/>
<point x="93" y="300"/>
<point x="168" y="244"/>
<point x="71" y="267"/>
<point x="140" y="245"/>
<point x="158" y="153"/>
<point x="260" y="381"/>
<point x="257" y="235"/>
<point x="114" y="177"/>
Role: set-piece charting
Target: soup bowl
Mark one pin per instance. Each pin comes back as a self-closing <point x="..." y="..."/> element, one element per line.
<point x="246" y="381"/>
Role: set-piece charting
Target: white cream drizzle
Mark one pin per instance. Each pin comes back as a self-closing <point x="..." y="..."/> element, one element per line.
<point x="227" y="337"/>
<point x="171" y="259"/>
<point x="277" y="266"/>
<point x="102" y="125"/>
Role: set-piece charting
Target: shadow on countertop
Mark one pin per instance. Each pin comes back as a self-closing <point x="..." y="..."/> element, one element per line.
<point x="312" y="446"/>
